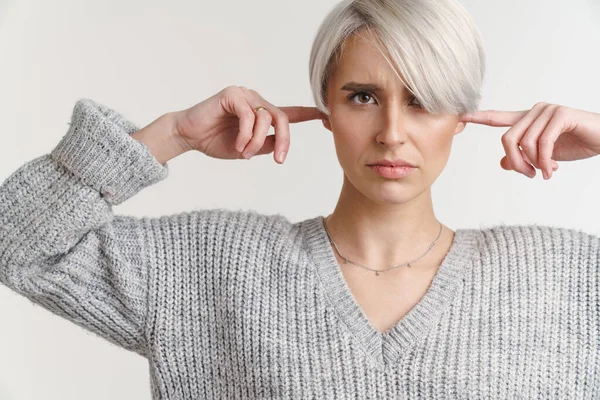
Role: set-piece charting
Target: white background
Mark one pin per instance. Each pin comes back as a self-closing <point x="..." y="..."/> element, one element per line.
<point x="146" y="58"/>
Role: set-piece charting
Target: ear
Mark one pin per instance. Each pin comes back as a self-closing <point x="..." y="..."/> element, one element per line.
<point x="459" y="127"/>
<point x="326" y="122"/>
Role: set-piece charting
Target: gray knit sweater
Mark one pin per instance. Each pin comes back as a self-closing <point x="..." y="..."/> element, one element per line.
<point x="240" y="305"/>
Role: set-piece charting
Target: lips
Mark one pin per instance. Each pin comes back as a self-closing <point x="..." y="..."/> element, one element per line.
<point x="392" y="163"/>
<point x="387" y="171"/>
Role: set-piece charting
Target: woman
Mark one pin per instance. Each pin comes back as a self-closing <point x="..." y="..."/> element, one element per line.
<point x="379" y="299"/>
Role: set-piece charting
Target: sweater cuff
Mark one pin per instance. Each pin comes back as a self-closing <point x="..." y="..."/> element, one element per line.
<point x="98" y="150"/>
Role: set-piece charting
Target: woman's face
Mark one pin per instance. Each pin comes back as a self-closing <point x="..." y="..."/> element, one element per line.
<point x="384" y="121"/>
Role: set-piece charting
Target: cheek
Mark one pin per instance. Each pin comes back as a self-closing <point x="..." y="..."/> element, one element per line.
<point x="435" y="152"/>
<point x="343" y="121"/>
<point x="349" y="134"/>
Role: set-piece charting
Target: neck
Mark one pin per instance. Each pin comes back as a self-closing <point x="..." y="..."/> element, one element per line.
<point x="381" y="235"/>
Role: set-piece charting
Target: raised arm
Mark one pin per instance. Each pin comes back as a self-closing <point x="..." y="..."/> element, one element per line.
<point x="60" y="244"/>
<point x="62" y="247"/>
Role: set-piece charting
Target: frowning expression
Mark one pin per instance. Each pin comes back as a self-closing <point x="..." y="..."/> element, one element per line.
<point x="374" y="116"/>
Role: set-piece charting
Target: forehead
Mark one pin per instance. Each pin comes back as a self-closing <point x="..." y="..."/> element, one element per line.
<point x="362" y="62"/>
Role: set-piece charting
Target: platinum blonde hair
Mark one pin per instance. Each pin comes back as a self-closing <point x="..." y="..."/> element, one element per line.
<point x="433" y="46"/>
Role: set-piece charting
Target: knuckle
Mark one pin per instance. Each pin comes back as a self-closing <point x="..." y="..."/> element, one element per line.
<point x="545" y="164"/>
<point x="250" y="149"/>
<point x="248" y="114"/>
<point x="254" y="145"/>
<point x="561" y="111"/>
<point x="283" y="118"/>
<point x="553" y="107"/>
<point x="507" y="140"/>
<point x="540" y="104"/>
<point x="265" y="116"/>
<point x="229" y="90"/>
<point x="245" y="137"/>
<point x="527" y="144"/>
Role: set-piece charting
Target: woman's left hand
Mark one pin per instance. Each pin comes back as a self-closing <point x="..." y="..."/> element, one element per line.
<point x="547" y="133"/>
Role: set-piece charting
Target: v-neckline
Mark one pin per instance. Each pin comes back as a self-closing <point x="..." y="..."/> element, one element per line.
<point x="384" y="348"/>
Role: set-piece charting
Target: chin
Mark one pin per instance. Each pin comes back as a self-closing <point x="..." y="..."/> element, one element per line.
<point x="384" y="191"/>
<point x="392" y="198"/>
<point x="389" y="191"/>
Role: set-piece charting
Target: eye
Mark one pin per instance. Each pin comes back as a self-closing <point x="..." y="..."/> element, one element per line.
<point x="362" y="96"/>
<point x="415" y="102"/>
<point x="368" y="96"/>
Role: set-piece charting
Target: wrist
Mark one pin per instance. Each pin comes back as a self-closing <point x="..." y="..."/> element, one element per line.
<point x="162" y="138"/>
<point x="174" y="122"/>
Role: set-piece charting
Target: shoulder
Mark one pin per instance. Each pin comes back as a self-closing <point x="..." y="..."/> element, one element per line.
<point x="223" y="236"/>
<point x="240" y="228"/>
<point x="554" y="244"/>
<point x="223" y="218"/>
<point x="560" y="265"/>
<point x="536" y="234"/>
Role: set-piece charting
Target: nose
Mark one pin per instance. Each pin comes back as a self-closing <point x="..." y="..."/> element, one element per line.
<point x="393" y="129"/>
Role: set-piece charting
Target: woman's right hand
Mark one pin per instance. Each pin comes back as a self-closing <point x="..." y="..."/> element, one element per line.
<point x="226" y="126"/>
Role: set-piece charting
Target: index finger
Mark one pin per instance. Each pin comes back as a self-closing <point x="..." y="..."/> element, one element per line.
<point x="301" y="114"/>
<point x="494" y="118"/>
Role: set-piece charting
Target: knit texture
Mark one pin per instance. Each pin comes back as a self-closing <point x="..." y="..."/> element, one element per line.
<point x="238" y="305"/>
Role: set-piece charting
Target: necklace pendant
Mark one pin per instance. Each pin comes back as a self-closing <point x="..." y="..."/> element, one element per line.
<point x="408" y="265"/>
<point x="376" y="273"/>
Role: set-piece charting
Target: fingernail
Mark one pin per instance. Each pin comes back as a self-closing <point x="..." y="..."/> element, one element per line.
<point x="282" y="156"/>
<point x="531" y="174"/>
<point x="544" y="174"/>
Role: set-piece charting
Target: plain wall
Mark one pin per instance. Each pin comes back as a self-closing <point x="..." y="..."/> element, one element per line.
<point x="147" y="58"/>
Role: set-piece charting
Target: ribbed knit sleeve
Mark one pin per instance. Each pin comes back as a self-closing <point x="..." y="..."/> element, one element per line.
<point x="60" y="244"/>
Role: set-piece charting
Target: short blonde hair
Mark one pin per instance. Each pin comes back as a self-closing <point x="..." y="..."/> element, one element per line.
<point x="433" y="44"/>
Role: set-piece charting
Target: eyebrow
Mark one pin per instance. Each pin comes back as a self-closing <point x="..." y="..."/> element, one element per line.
<point x="367" y="87"/>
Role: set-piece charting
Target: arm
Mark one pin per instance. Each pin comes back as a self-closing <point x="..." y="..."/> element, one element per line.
<point x="162" y="137"/>
<point x="60" y="244"/>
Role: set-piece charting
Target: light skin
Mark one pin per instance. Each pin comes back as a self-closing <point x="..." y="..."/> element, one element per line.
<point x="543" y="135"/>
<point x="379" y="222"/>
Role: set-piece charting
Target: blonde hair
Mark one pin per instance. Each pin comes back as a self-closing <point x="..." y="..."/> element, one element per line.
<point x="433" y="44"/>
